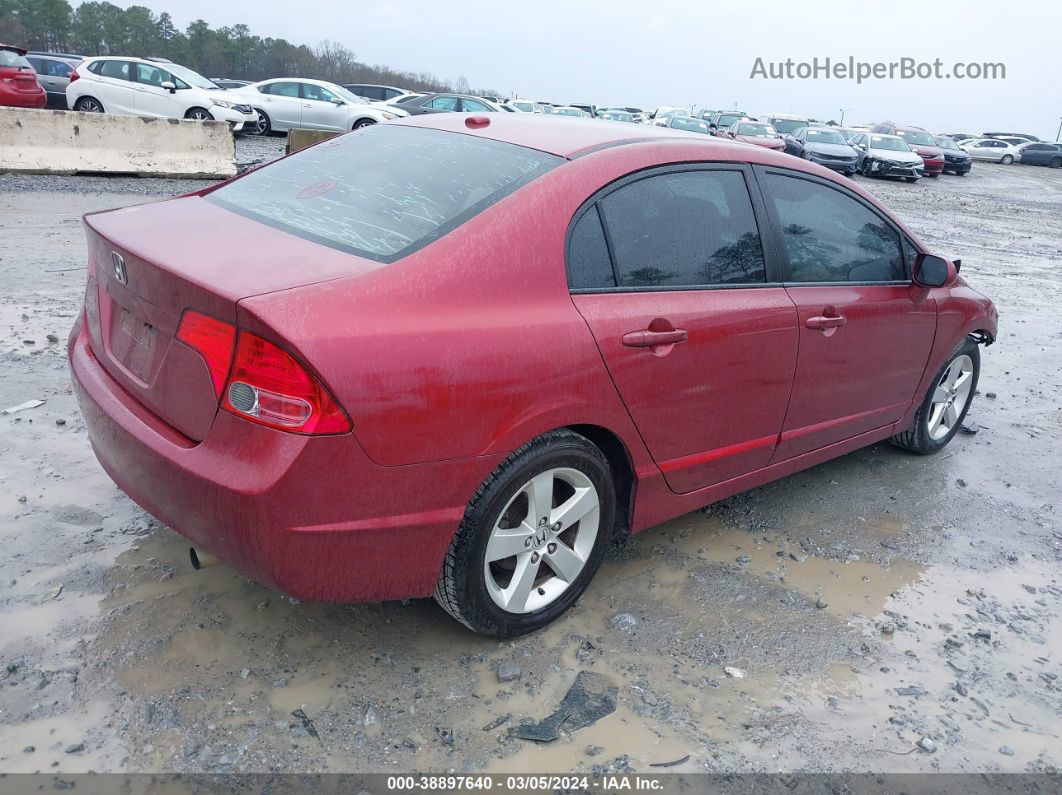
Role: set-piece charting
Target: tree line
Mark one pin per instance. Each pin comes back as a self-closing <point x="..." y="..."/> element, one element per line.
<point x="232" y="51"/>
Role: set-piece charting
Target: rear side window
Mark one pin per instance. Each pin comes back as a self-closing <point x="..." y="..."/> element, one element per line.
<point x="684" y="229"/>
<point x="589" y="265"/>
<point x="384" y="191"/>
<point x="118" y="70"/>
<point x="10" y="58"/>
<point x="831" y="237"/>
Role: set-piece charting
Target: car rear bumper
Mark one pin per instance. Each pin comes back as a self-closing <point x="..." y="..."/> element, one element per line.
<point x="23" y="99"/>
<point x="310" y="516"/>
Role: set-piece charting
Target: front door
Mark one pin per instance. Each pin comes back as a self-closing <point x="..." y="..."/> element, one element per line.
<point x="151" y="98"/>
<point x="865" y="328"/>
<point x="320" y="110"/>
<point x="668" y="271"/>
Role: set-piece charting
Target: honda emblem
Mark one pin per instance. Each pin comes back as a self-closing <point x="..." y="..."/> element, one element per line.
<point x="118" y="263"/>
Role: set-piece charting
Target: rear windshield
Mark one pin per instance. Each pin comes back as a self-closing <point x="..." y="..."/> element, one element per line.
<point x="384" y="191"/>
<point x="10" y="58"/>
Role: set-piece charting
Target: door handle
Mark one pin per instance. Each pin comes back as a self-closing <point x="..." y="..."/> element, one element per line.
<point x="650" y="339"/>
<point x="824" y="322"/>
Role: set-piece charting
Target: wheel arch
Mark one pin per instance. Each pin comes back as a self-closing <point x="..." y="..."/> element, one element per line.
<point x="619" y="459"/>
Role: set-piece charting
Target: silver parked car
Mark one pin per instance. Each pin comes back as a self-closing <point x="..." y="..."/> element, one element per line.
<point x="53" y="73"/>
<point x="883" y="155"/>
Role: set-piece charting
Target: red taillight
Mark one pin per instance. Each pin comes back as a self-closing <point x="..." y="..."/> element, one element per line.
<point x="212" y="339"/>
<point x="74" y="76"/>
<point x="269" y="386"/>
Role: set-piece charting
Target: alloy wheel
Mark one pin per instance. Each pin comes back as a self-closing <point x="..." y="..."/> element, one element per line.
<point x="950" y="397"/>
<point x="89" y="106"/>
<point x="200" y="115"/>
<point x="542" y="540"/>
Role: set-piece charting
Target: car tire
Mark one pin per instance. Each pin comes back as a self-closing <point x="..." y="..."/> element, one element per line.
<point x="360" y="123"/>
<point x="1006" y="160"/>
<point x="559" y="467"/>
<point x="263" y="126"/>
<point x="88" y="105"/>
<point x="937" y="421"/>
<point x="198" y="114"/>
<point x="1056" y="162"/>
<point x="868" y="167"/>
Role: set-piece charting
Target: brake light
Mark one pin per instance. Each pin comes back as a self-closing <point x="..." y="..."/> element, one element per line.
<point x="74" y="76"/>
<point x="212" y="339"/>
<point x="269" y="386"/>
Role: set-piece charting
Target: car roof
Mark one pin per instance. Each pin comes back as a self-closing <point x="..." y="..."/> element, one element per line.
<point x="565" y="137"/>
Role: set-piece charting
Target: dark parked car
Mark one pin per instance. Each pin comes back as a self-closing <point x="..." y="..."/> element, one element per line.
<point x="825" y="146"/>
<point x="1041" y="154"/>
<point x="53" y="73"/>
<point x="921" y="142"/>
<point x="722" y="119"/>
<point x="19" y="87"/>
<point x="955" y="159"/>
<point x="441" y="358"/>
<point x="446" y="103"/>
<point x="374" y="92"/>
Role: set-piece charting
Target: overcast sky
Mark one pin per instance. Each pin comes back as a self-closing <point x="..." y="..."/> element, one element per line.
<point x="647" y="53"/>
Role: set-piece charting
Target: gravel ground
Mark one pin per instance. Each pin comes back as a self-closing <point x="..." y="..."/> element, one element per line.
<point x="887" y="612"/>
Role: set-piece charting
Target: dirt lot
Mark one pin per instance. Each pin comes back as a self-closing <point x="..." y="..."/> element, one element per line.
<point x="937" y="579"/>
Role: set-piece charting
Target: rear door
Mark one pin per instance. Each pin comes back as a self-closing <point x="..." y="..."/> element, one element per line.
<point x="283" y="102"/>
<point x="668" y="270"/>
<point x="866" y="329"/>
<point x="113" y="83"/>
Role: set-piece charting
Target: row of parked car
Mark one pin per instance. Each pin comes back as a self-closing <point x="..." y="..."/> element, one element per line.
<point x="158" y="87"/>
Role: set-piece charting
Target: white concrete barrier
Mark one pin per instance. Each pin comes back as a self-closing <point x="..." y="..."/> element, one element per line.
<point x="65" y="142"/>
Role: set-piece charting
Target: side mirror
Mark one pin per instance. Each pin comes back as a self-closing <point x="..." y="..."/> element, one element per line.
<point x="933" y="271"/>
<point x="169" y="86"/>
<point x="337" y="102"/>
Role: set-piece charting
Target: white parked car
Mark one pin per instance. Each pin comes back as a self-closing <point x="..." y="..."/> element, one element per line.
<point x="882" y="155"/>
<point x="991" y="149"/>
<point x="568" y="110"/>
<point x="661" y="115"/>
<point x="524" y="105"/>
<point x="152" y="87"/>
<point x="287" y="103"/>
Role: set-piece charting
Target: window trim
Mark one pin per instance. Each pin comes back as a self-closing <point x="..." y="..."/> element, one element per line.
<point x="779" y="240"/>
<point x="759" y="213"/>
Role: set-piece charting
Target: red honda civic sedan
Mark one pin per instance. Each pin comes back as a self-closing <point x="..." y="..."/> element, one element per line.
<point x="454" y="355"/>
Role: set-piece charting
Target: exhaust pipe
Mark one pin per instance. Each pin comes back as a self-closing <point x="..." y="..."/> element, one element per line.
<point x="200" y="560"/>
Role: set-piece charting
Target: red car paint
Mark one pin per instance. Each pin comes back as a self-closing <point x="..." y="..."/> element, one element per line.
<point x="19" y="87"/>
<point x="489" y="350"/>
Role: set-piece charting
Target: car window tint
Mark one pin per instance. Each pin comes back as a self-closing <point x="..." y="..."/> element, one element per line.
<point x="589" y="265"/>
<point x="473" y="106"/>
<point x="444" y="103"/>
<point x="691" y="228"/>
<point x="315" y="92"/>
<point x="59" y="69"/>
<point x="119" y="70"/>
<point x="284" y="89"/>
<point x="386" y="191"/>
<point x="151" y="75"/>
<point x="38" y="65"/>
<point x="831" y="237"/>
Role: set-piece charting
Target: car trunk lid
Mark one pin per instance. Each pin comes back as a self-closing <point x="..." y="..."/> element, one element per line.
<point x="150" y="263"/>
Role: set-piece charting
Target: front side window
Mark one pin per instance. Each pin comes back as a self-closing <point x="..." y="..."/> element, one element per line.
<point x="385" y="192"/>
<point x="317" y="93"/>
<point x="691" y="228"/>
<point x="831" y="237"/>
<point x="150" y="75"/>
<point x="474" y="106"/>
